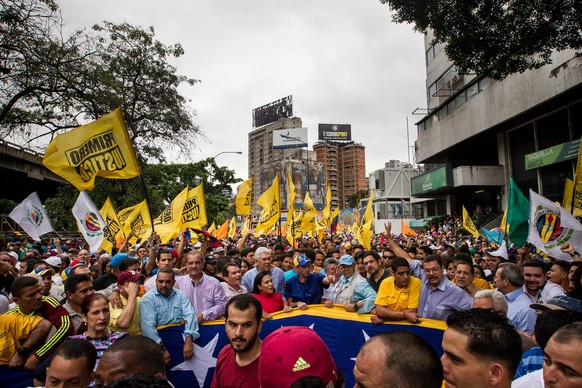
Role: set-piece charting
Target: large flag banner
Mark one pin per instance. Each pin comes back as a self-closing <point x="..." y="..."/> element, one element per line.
<point x="194" y="213"/>
<point x="406" y="230"/>
<point x="363" y="231"/>
<point x="333" y="325"/>
<point x="232" y="228"/>
<point x="32" y="217"/>
<point x="139" y="221"/>
<point x="468" y="224"/>
<point x="101" y="148"/>
<point x="113" y="225"/>
<point x="270" y="201"/>
<point x="552" y="226"/>
<point x="244" y="197"/>
<point x="169" y="224"/>
<point x="517" y="215"/>
<point x="89" y="221"/>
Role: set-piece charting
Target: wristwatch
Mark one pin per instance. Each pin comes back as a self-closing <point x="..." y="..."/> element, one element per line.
<point x="574" y="254"/>
<point x="24" y="352"/>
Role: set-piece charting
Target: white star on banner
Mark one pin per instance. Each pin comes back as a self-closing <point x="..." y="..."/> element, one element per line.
<point x="201" y="362"/>
<point x="366" y="339"/>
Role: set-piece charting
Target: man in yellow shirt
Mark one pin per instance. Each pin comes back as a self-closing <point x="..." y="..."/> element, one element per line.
<point x="126" y="319"/>
<point x="398" y="295"/>
<point x="20" y="335"/>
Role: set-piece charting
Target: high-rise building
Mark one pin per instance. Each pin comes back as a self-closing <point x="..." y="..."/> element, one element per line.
<point x="344" y="164"/>
<point x="478" y="132"/>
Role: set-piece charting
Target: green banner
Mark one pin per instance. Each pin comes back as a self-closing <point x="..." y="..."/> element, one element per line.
<point x="552" y="155"/>
<point x="430" y="181"/>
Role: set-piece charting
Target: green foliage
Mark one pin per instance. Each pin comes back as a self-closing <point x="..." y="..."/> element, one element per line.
<point x="51" y="82"/>
<point x="6" y="206"/>
<point x="163" y="182"/>
<point x="496" y="38"/>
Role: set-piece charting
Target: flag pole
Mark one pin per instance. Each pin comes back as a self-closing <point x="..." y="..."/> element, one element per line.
<point x="145" y="192"/>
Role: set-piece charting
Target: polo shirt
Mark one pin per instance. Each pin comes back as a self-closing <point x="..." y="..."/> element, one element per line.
<point x="398" y="299"/>
<point x="310" y="291"/>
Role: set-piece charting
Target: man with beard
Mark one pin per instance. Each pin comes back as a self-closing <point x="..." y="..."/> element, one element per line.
<point x="398" y="295"/>
<point x="237" y="364"/>
<point x="375" y="271"/>
<point x="536" y="287"/>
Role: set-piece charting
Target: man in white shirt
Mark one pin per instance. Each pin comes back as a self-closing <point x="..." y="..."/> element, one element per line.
<point x="232" y="281"/>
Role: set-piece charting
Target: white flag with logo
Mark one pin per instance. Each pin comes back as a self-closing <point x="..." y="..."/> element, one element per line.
<point x="551" y="226"/>
<point x="32" y="217"/>
<point x="89" y="221"/>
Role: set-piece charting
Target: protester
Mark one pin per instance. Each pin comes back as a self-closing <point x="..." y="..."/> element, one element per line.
<point x="264" y="291"/>
<point x="237" y="364"/>
<point x="398" y="358"/>
<point x="72" y="365"/>
<point x="296" y="356"/>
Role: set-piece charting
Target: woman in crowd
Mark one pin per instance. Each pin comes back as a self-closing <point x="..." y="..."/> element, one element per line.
<point x="244" y="266"/>
<point x="264" y="291"/>
<point x="479" y="271"/>
<point x="95" y="314"/>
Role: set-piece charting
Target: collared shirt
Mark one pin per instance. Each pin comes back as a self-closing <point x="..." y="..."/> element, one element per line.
<point x="76" y="318"/>
<point x="399" y="299"/>
<point x="547" y="292"/>
<point x="310" y="291"/>
<point x="531" y="380"/>
<point x="519" y="312"/>
<point x="207" y="297"/>
<point x="157" y="310"/>
<point x="330" y="293"/>
<point x="443" y="300"/>
<point x="276" y="274"/>
<point x="356" y="289"/>
<point x="229" y="291"/>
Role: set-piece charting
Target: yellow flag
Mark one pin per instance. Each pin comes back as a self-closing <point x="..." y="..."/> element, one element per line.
<point x="326" y="219"/>
<point x="245" y="226"/>
<point x="291" y="192"/>
<point x="363" y="232"/>
<point x="101" y="148"/>
<point x="294" y="228"/>
<point x="364" y="236"/>
<point x="406" y="230"/>
<point x="139" y="221"/>
<point x="113" y="225"/>
<point x="468" y="223"/>
<point x="569" y="194"/>
<point x="194" y="212"/>
<point x="576" y="203"/>
<point x="122" y="217"/>
<point x="504" y="227"/>
<point x="244" y="197"/>
<point x="270" y="201"/>
<point x="212" y="229"/>
<point x="169" y="224"/>
<point x="309" y="213"/>
<point x="232" y="227"/>
<point x="222" y="231"/>
<point x="368" y="218"/>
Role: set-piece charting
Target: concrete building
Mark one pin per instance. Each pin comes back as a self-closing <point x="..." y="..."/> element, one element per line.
<point x="344" y="164"/>
<point x="479" y="132"/>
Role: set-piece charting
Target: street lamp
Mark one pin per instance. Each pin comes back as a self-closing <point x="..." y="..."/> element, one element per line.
<point x="226" y="152"/>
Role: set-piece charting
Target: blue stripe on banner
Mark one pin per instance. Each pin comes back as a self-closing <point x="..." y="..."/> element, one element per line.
<point x="344" y="336"/>
<point x="15" y="378"/>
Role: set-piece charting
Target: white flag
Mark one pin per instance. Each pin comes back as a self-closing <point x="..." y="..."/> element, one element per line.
<point x="551" y="226"/>
<point x="32" y="217"/>
<point x="89" y="221"/>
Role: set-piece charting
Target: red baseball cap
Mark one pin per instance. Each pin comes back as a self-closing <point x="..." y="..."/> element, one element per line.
<point x="129" y="276"/>
<point x="293" y="352"/>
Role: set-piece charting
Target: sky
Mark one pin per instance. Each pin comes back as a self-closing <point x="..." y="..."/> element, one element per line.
<point x="343" y="61"/>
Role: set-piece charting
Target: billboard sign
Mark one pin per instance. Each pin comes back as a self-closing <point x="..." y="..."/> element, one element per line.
<point x="273" y="111"/>
<point x="290" y="138"/>
<point x="335" y="132"/>
<point x="552" y="155"/>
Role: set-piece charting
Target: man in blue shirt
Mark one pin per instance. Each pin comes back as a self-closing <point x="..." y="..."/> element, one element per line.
<point x="306" y="288"/>
<point x="509" y="281"/>
<point x="166" y="307"/>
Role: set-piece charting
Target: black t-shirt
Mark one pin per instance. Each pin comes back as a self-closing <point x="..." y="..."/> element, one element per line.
<point x="376" y="285"/>
<point x="104" y="281"/>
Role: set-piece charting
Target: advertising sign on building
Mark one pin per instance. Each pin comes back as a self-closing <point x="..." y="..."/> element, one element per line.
<point x="335" y="132"/>
<point x="434" y="180"/>
<point x="290" y="138"/>
<point x="552" y="155"/>
<point x="273" y="111"/>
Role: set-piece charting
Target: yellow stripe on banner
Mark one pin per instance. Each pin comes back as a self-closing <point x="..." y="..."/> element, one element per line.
<point x="174" y="324"/>
<point x="338" y="312"/>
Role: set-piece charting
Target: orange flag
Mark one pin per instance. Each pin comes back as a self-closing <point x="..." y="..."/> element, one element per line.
<point x="406" y="230"/>
<point x="222" y="231"/>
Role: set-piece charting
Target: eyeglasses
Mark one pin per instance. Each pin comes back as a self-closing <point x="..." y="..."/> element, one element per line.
<point x="432" y="270"/>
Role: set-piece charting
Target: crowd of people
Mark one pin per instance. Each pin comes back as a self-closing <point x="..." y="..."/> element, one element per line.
<point x="71" y="317"/>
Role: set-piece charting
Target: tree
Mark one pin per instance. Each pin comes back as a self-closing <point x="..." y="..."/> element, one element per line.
<point x="163" y="182"/>
<point x="51" y="82"/>
<point x="496" y="38"/>
<point x="354" y="199"/>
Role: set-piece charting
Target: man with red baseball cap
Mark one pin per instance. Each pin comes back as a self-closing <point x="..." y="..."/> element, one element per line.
<point x="296" y="354"/>
<point x="126" y="319"/>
